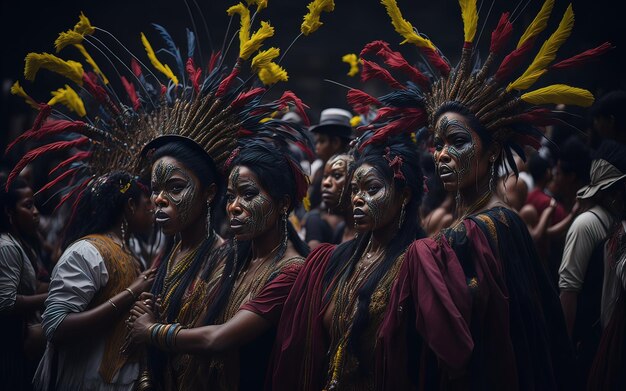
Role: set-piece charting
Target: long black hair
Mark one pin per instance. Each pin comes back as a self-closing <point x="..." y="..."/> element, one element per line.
<point x="203" y="168"/>
<point x="279" y="176"/>
<point x="101" y="204"/>
<point x="377" y="156"/>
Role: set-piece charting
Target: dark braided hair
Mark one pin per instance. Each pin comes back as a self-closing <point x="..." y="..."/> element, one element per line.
<point x="101" y="204"/>
<point x="352" y="250"/>
<point x="277" y="176"/>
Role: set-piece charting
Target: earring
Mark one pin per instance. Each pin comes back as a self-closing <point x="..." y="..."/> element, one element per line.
<point x="402" y="215"/>
<point x="284" y="241"/>
<point x="493" y="176"/>
<point x="123" y="228"/>
<point x="208" y="219"/>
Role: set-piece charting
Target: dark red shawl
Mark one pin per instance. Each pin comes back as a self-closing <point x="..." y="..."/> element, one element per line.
<point x="435" y="310"/>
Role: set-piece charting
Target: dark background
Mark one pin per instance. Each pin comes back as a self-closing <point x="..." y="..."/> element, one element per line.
<point x="33" y="26"/>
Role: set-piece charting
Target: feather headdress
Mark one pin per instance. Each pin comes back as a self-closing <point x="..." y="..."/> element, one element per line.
<point x="212" y="107"/>
<point x="499" y="100"/>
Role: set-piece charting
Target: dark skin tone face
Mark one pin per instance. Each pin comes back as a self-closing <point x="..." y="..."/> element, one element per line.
<point x="177" y="195"/>
<point x="375" y="202"/>
<point x="334" y="181"/>
<point x="25" y="216"/>
<point x="460" y="157"/>
<point x="140" y="214"/>
<point x="326" y="146"/>
<point x="250" y="208"/>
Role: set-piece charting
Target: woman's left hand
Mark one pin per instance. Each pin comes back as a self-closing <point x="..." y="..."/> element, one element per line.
<point x="139" y="332"/>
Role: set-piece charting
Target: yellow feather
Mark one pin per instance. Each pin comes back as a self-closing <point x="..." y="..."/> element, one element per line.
<point x="263" y="58"/>
<point x="272" y="74"/>
<point x="71" y="69"/>
<point x="16" y="89"/>
<point x="538" y="24"/>
<point x="84" y="27"/>
<point x="158" y="65"/>
<point x="404" y="27"/>
<point x="260" y="4"/>
<point x="66" y="38"/>
<point x="69" y="98"/>
<point x="244" y="28"/>
<point x="353" y="61"/>
<point x="546" y="54"/>
<point x="91" y="62"/>
<point x="470" y="18"/>
<point x="355" y="121"/>
<point x="311" y="20"/>
<point x="306" y="203"/>
<point x="559" y="94"/>
<point x="256" y="40"/>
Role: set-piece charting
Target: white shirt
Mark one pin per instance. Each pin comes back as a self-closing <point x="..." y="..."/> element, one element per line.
<point x="77" y="277"/>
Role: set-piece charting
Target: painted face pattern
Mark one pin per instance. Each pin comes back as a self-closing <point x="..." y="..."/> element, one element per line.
<point x="369" y="185"/>
<point x="337" y="168"/>
<point x="461" y="145"/>
<point x="255" y="203"/>
<point x="180" y="190"/>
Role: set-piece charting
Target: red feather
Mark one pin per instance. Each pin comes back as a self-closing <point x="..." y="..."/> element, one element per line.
<point x="582" y="58"/>
<point x="132" y="93"/>
<point x="290" y="97"/>
<point x="50" y="128"/>
<point x="410" y="120"/>
<point x="385" y="113"/>
<point x="361" y="101"/>
<point x="244" y="132"/>
<point x="502" y="34"/>
<point x="163" y="90"/>
<point x="375" y="47"/>
<point x="57" y="180"/>
<point x="540" y="117"/>
<point x="371" y="70"/>
<point x="194" y="74"/>
<point x="44" y="112"/>
<point x="306" y="150"/>
<point x="79" y="156"/>
<point x="245" y="97"/>
<point x="226" y="83"/>
<point x="134" y="65"/>
<point x="435" y="59"/>
<point x="75" y="190"/>
<point x="90" y="81"/>
<point x="302" y="183"/>
<point x="396" y="61"/>
<point x="513" y="60"/>
<point x="35" y="153"/>
<point x="213" y="61"/>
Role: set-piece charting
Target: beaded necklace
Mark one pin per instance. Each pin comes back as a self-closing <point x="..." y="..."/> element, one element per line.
<point x="175" y="273"/>
<point x="346" y="299"/>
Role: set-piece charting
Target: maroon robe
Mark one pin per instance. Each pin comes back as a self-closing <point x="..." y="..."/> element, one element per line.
<point x="446" y="297"/>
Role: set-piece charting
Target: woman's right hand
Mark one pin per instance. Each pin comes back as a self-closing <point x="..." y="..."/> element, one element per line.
<point x="143" y="282"/>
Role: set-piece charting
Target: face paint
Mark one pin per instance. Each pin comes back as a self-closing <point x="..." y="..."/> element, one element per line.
<point x="172" y="182"/>
<point x="333" y="183"/>
<point x="248" y="203"/>
<point x="377" y="193"/>
<point x="456" y="140"/>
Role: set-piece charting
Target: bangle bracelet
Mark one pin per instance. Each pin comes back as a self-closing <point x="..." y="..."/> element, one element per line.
<point x="131" y="293"/>
<point x="113" y="304"/>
